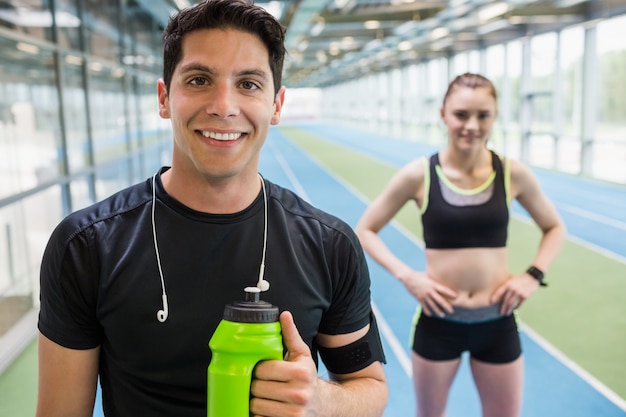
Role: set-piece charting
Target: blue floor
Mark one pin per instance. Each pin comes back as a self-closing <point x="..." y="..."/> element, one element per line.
<point x="551" y="388"/>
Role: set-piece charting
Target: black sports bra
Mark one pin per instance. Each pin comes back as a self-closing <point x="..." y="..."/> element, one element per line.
<point x="456" y="218"/>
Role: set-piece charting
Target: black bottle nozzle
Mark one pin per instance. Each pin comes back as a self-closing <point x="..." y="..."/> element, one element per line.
<point x="253" y="294"/>
<point x="252" y="309"/>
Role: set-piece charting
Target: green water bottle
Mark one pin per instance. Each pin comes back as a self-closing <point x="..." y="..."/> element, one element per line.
<point x="248" y="333"/>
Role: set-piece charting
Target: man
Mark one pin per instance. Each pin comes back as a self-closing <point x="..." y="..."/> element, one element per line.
<point x="133" y="287"/>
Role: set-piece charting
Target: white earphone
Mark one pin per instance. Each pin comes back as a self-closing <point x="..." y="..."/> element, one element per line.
<point x="262" y="284"/>
<point x="162" y="314"/>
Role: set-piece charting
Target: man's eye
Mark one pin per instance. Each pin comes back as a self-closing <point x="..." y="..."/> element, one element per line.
<point x="249" y="85"/>
<point x="198" y="81"/>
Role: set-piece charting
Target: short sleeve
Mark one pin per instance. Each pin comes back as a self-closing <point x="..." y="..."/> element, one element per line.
<point x="350" y="308"/>
<point x="68" y="296"/>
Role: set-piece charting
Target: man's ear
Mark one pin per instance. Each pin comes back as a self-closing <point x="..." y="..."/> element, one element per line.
<point x="279" y="100"/>
<point x="164" y="102"/>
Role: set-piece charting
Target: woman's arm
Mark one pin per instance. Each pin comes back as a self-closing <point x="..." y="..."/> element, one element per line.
<point x="526" y="189"/>
<point x="407" y="184"/>
<point x="528" y="192"/>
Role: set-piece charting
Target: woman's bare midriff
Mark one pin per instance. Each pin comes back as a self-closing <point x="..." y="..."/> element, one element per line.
<point x="474" y="273"/>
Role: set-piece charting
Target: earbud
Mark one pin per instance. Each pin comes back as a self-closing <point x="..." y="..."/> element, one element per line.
<point x="162" y="314"/>
<point x="263" y="285"/>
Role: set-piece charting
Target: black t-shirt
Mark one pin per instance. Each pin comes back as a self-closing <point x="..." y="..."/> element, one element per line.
<point x="100" y="286"/>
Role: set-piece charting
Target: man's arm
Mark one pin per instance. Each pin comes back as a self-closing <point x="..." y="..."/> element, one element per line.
<point x="67" y="380"/>
<point x="292" y="387"/>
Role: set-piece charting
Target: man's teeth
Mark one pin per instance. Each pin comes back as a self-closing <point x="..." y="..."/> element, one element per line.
<point x="221" y="136"/>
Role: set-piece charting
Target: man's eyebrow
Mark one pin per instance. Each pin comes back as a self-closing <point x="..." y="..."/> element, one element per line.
<point x="203" y="68"/>
<point x="255" y="72"/>
<point x="196" y="67"/>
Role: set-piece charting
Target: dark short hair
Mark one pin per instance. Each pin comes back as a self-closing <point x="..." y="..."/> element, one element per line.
<point x="473" y="81"/>
<point x="224" y="14"/>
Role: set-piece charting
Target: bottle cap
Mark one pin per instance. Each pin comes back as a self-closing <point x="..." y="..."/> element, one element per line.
<point x="252" y="310"/>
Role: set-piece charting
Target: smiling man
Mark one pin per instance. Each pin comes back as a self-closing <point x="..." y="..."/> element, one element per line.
<point x="133" y="287"/>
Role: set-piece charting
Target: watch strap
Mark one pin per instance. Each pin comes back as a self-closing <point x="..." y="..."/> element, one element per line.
<point x="536" y="273"/>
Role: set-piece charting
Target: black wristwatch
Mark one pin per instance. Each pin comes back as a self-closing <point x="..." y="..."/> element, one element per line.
<point x="536" y="273"/>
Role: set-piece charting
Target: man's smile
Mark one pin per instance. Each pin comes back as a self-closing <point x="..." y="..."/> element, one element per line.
<point x="220" y="136"/>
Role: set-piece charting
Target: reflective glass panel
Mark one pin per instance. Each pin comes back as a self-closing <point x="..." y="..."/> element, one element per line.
<point x="31" y="18"/>
<point x="108" y="115"/>
<point x="76" y="123"/>
<point x="102" y="37"/>
<point x="68" y="24"/>
<point x="30" y="132"/>
<point x="609" y="150"/>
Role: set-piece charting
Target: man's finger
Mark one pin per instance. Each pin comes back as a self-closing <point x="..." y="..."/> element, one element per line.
<point x="296" y="347"/>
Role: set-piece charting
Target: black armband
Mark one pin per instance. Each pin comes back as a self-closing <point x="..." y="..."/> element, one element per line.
<point x="356" y="355"/>
<point x="536" y="273"/>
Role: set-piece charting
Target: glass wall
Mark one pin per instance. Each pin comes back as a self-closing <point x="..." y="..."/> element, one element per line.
<point x="561" y="100"/>
<point x="68" y="24"/>
<point x="29" y="120"/>
<point x="570" y="99"/>
<point x="495" y="71"/>
<point x="102" y="37"/>
<point x="539" y="100"/>
<point x="610" y="140"/>
<point x="78" y="121"/>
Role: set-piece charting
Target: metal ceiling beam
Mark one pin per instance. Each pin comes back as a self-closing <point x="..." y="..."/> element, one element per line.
<point x="316" y="57"/>
<point x="160" y="10"/>
<point x="302" y="21"/>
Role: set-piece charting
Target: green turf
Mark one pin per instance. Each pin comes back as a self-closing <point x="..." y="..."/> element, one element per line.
<point x="18" y="385"/>
<point x="581" y="312"/>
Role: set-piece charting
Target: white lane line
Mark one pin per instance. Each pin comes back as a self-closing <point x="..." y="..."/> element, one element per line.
<point x="394" y="343"/>
<point x="584" y="375"/>
<point x="385" y="329"/>
<point x="581" y="242"/>
<point x="297" y="185"/>
<point x="400" y="353"/>
<point x="593" y="216"/>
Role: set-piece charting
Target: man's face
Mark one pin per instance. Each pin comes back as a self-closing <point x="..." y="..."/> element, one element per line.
<point x="221" y="103"/>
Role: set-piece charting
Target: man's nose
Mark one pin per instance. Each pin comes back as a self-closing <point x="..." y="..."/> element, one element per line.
<point x="222" y="102"/>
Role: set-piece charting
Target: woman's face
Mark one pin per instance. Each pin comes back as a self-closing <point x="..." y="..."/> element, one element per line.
<point x="469" y="114"/>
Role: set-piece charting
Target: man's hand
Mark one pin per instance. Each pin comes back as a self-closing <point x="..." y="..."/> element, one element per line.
<point x="286" y="388"/>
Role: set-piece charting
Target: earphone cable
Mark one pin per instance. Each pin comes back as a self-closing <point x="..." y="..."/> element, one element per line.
<point x="154" y="235"/>
<point x="261" y="284"/>
<point x="262" y="268"/>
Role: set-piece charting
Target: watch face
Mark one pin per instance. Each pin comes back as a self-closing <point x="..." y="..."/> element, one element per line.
<point x="537" y="274"/>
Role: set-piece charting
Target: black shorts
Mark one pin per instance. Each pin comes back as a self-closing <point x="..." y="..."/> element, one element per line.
<point x="492" y="341"/>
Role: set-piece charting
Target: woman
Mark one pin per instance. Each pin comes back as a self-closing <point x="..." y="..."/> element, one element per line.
<point x="467" y="294"/>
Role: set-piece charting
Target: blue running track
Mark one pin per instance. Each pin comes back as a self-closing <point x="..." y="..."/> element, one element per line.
<point x="552" y="388"/>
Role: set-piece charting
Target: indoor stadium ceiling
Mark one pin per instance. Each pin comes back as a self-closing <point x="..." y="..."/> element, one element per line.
<point x="330" y="41"/>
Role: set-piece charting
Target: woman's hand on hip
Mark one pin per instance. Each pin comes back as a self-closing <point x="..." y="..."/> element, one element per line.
<point x="513" y="292"/>
<point x="434" y="297"/>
